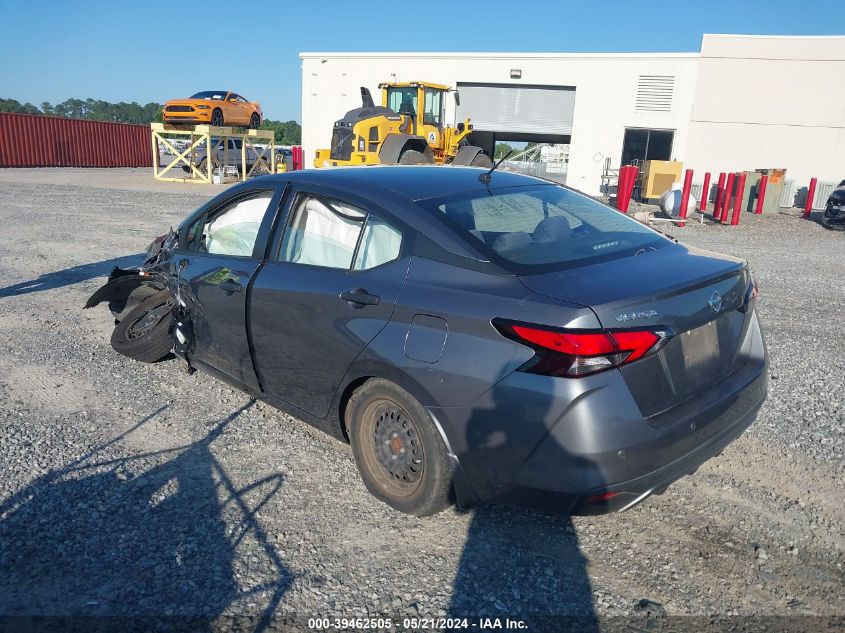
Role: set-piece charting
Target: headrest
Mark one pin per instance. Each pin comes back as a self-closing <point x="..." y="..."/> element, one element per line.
<point x="553" y="229"/>
<point x="511" y="241"/>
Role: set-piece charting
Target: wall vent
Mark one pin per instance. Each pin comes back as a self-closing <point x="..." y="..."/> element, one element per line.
<point x="787" y="194"/>
<point x="654" y="93"/>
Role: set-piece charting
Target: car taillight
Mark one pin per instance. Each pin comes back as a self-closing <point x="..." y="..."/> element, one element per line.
<point x="751" y="294"/>
<point x="574" y="353"/>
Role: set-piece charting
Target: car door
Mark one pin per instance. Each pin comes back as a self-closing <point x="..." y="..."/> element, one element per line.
<point x="234" y="157"/>
<point x="239" y="107"/>
<point x="230" y="109"/>
<point x="323" y="295"/>
<point x="223" y="251"/>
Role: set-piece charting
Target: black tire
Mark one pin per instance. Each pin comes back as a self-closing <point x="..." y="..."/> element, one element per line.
<point x="143" y="334"/>
<point x="254" y="121"/>
<point x="481" y="160"/>
<point x="217" y="118"/>
<point x="413" y="157"/>
<point x="398" y="450"/>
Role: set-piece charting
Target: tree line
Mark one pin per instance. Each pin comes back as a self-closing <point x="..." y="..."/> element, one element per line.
<point x="286" y="132"/>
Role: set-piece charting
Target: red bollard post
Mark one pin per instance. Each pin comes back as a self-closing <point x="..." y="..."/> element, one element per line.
<point x="685" y="196"/>
<point x="811" y="193"/>
<point x="761" y="193"/>
<point x="632" y="181"/>
<point x="740" y="187"/>
<point x="297" y="158"/>
<point x="620" y="188"/>
<point x="726" y="201"/>
<point x="705" y="193"/>
<point x="720" y="193"/>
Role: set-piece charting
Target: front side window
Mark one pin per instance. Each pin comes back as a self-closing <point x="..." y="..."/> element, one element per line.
<point x="233" y="229"/>
<point x="402" y="100"/>
<point x="431" y="113"/>
<point x="545" y="228"/>
<point x="335" y="234"/>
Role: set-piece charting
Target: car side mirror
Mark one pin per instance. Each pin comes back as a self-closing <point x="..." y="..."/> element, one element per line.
<point x="457" y="98"/>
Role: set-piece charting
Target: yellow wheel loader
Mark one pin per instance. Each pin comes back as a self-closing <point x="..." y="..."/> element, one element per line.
<point x="406" y="129"/>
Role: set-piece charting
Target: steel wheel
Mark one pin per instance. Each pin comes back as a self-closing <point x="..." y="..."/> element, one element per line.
<point x="398" y="449"/>
<point x="396" y="446"/>
<point x="144" y="333"/>
<point x="147" y="321"/>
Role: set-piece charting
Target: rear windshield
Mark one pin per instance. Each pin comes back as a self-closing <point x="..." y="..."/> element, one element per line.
<point x="217" y="95"/>
<point x="545" y="228"/>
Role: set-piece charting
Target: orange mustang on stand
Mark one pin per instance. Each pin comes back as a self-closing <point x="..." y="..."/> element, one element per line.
<point x="215" y="107"/>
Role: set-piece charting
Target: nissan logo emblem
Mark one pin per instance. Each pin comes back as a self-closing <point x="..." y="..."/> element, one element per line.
<point x="715" y="301"/>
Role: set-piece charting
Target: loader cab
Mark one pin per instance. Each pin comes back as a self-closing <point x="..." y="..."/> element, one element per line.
<point x="422" y="105"/>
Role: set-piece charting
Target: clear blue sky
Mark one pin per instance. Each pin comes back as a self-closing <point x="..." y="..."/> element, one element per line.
<point x="154" y="51"/>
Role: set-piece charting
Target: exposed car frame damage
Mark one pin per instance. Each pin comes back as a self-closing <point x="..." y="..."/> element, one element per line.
<point x="127" y="288"/>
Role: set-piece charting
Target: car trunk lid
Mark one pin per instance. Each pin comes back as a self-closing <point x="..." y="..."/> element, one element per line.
<point x="697" y="295"/>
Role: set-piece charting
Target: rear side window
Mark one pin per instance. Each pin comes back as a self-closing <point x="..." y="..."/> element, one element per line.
<point x="545" y="228"/>
<point x="335" y="234"/>
<point x="380" y="243"/>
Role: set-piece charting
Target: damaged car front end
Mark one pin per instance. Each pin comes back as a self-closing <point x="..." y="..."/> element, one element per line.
<point x="150" y="318"/>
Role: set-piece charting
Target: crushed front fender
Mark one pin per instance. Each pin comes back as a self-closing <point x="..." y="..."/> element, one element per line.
<point x="125" y="289"/>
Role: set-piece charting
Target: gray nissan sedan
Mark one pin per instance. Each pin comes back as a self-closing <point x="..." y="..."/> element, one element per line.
<point x="477" y="336"/>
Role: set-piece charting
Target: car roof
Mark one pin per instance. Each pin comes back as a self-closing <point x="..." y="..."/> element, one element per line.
<point x="414" y="183"/>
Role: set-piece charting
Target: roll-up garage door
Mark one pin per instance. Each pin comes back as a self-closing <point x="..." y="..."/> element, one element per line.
<point x="520" y="109"/>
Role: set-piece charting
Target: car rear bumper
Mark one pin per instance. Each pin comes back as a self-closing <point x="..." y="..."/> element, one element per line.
<point x="581" y="446"/>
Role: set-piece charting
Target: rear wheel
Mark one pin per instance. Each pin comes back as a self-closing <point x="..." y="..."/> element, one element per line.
<point x="217" y="117"/>
<point x="398" y="450"/>
<point x="143" y="334"/>
<point x="254" y="121"/>
<point x="413" y="157"/>
<point x="481" y="160"/>
<point x="203" y="166"/>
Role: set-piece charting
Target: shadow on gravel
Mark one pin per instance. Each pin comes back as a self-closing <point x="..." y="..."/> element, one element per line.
<point x="520" y="564"/>
<point x="68" y="276"/>
<point x="140" y="539"/>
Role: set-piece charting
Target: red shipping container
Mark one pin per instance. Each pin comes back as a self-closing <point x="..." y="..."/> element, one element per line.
<point x="32" y="140"/>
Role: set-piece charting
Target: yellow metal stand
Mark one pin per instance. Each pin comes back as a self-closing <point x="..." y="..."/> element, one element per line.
<point x="210" y="138"/>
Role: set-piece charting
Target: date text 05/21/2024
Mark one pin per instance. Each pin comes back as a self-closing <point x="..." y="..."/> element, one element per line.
<point x="481" y="624"/>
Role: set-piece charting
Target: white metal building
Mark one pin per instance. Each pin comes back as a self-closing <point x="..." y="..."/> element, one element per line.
<point x="743" y="102"/>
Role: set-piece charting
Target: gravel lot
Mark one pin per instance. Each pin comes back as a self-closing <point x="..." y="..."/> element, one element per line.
<point x="130" y="489"/>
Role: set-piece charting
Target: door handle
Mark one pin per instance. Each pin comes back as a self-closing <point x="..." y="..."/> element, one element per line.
<point x="359" y="298"/>
<point x="229" y="286"/>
